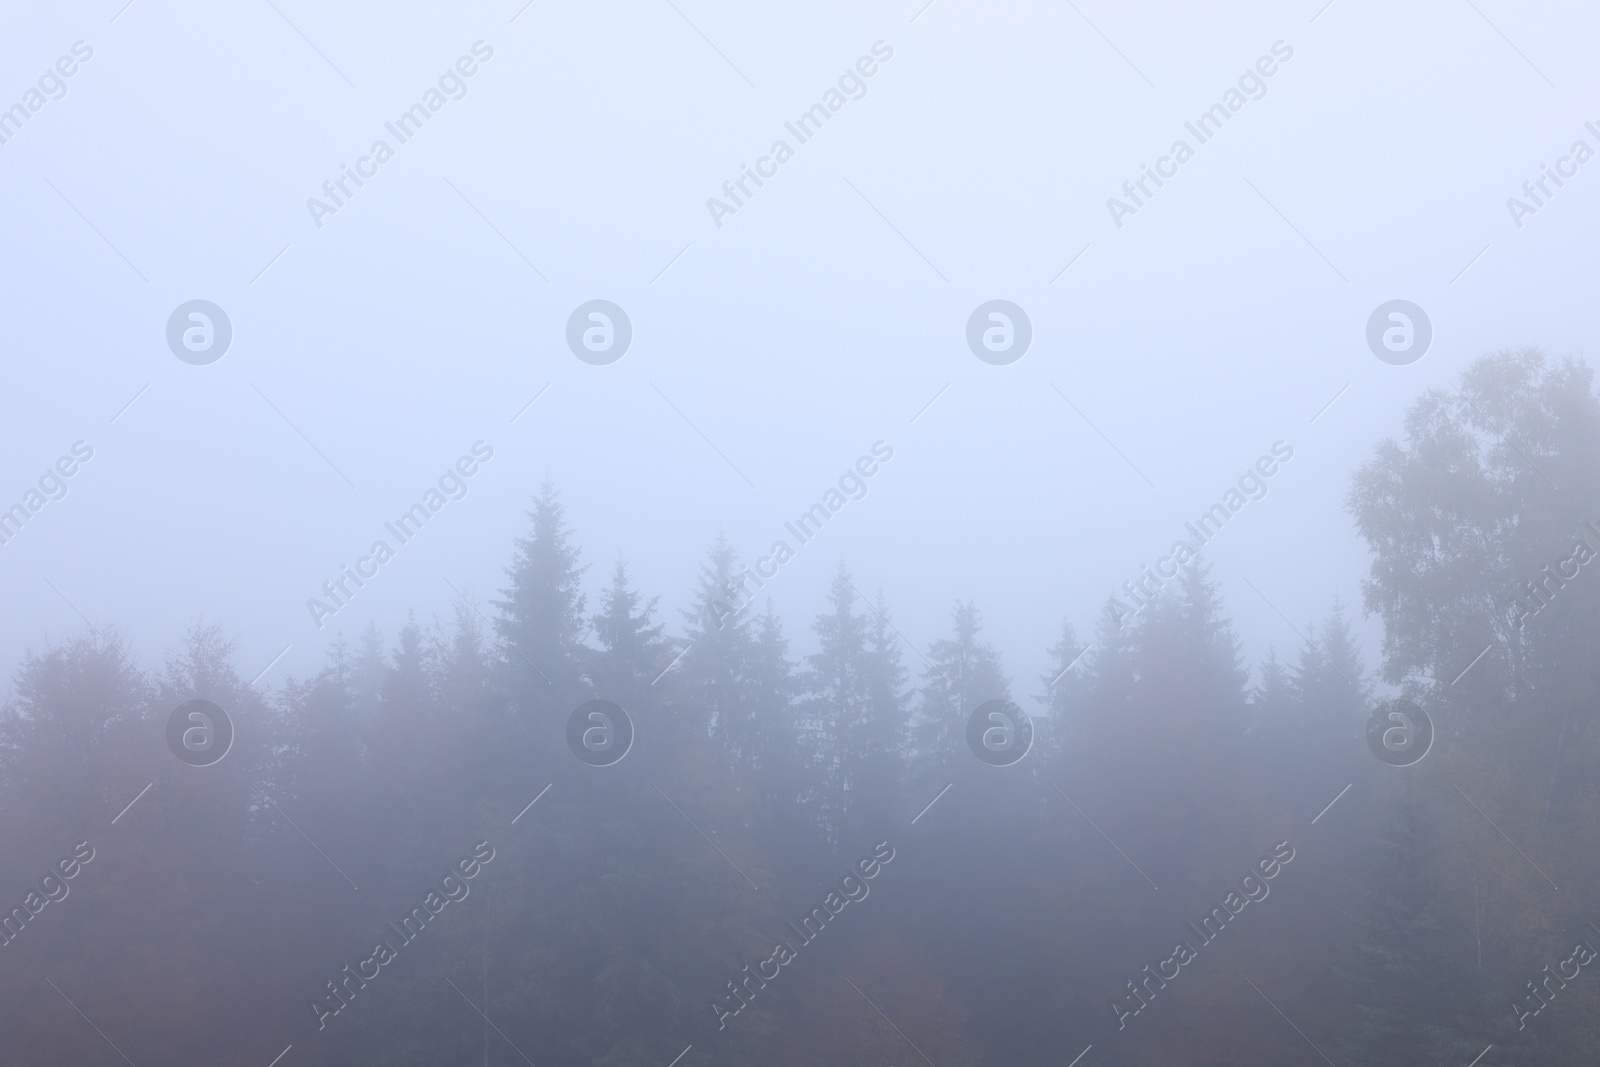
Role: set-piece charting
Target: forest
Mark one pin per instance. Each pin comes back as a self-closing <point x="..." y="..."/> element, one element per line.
<point x="801" y="859"/>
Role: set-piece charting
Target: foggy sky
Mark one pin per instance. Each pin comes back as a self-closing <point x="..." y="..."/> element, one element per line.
<point x="820" y="318"/>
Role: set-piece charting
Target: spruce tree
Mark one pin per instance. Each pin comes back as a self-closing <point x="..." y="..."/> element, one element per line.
<point x="853" y="713"/>
<point x="717" y="663"/>
<point x="1062" y="695"/>
<point x="835" y="704"/>
<point x="1272" y="698"/>
<point x="540" y="625"/>
<point x="1329" y="681"/>
<point x="368" y="672"/>
<point x="874" y="756"/>
<point x="962" y="672"/>
<point x="632" y="652"/>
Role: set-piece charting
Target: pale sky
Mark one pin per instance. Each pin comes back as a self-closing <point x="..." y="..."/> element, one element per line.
<point x="770" y="352"/>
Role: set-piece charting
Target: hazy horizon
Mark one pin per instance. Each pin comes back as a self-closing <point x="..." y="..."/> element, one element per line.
<point x="392" y="226"/>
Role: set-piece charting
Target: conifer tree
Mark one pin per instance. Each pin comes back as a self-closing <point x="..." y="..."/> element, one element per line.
<point x="717" y="664"/>
<point x="408" y="682"/>
<point x="853" y="712"/>
<point x="835" y="707"/>
<point x="1062" y="695"/>
<point x="541" y="624"/>
<point x="368" y="672"/>
<point x="1329" y="681"/>
<point x="874" y="755"/>
<point x="1272" y="698"/>
<point x="963" y="672"/>
<point x="776" y="765"/>
<point x="1409" y="991"/>
<point x="632" y="652"/>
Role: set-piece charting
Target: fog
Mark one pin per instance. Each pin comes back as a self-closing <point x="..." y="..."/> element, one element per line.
<point x="1068" y="461"/>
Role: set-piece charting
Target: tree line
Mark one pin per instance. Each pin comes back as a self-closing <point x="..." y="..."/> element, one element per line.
<point x="626" y="907"/>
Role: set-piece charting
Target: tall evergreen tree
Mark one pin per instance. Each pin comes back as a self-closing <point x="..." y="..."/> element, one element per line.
<point x="717" y="664"/>
<point x="1273" y="697"/>
<point x="77" y="707"/>
<point x="541" y="622"/>
<point x="369" y="671"/>
<point x="407" y="682"/>
<point x="632" y="652"/>
<point x="874" y="750"/>
<point x="963" y="672"/>
<point x="776" y="766"/>
<point x="1165" y="720"/>
<point x="853" y="713"/>
<point x="835" y="705"/>
<point x="1410" y="993"/>
<point x="1329" y="681"/>
<point x="1062" y="694"/>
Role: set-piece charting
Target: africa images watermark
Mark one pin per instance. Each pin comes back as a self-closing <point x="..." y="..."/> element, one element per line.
<point x="52" y="486"/>
<point x="1252" y="485"/>
<point x="1540" y="993"/>
<point x="51" y="86"/>
<point x="199" y="732"/>
<point x="852" y="485"/>
<point x="803" y="128"/>
<point x="1541" y="591"/>
<point x="599" y="732"/>
<point x="1203" y="128"/>
<point x="1579" y="154"/>
<point x="452" y="485"/>
<point x="1399" y="732"/>
<point x="52" y="889"/>
<point x="452" y="889"/>
<point x="999" y="733"/>
<point x="1253" y="889"/>
<point x="852" y="888"/>
<point x="406" y="126"/>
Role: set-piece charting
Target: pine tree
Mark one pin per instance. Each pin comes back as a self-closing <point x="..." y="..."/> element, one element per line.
<point x="326" y="760"/>
<point x="407" y="682"/>
<point x="632" y="652"/>
<point x="1408" y="988"/>
<point x="1272" y="698"/>
<point x="835" y="705"/>
<point x="368" y="672"/>
<point x="1329" y="682"/>
<point x="460" y="662"/>
<point x="717" y="663"/>
<point x="1165" y="720"/>
<point x="541" y="622"/>
<point x="962" y="673"/>
<point x="853" y="713"/>
<point x="77" y="706"/>
<point x="874" y="755"/>
<point x="775" y="764"/>
<point x="1109" y="676"/>
<point x="1062" y="695"/>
